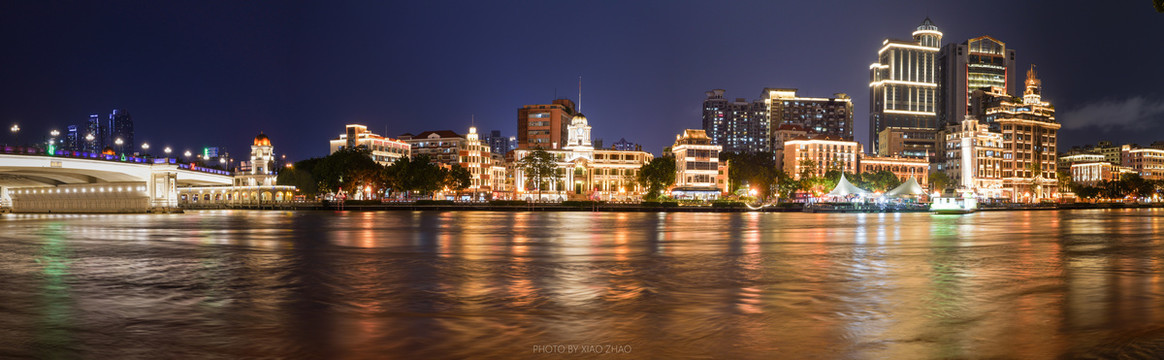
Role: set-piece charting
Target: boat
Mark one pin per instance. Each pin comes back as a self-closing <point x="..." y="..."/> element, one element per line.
<point x="963" y="202"/>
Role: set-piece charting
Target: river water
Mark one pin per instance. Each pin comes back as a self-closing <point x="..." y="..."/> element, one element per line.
<point x="316" y="284"/>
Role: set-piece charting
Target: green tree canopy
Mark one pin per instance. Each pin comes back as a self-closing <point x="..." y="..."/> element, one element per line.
<point x="758" y="170"/>
<point x="349" y="170"/>
<point x="540" y="168"/>
<point x="657" y="175"/>
<point x="939" y="181"/>
<point x="300" y="176"/>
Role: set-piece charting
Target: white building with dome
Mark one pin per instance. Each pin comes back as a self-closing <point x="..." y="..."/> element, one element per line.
<point x="584" y="173"/>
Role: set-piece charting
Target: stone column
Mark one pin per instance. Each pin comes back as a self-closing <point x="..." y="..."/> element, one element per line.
<point x="5" y="200"/>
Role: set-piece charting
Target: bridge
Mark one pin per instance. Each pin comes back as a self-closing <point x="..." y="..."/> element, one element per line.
<point x="35" y="180"/>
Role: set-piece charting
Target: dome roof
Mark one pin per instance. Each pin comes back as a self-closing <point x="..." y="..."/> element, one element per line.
<point x="262" y="140"/>
<point x="927" y="24"/>
<point x="578" y="118"/>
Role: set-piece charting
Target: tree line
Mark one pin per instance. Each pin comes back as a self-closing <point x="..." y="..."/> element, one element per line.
<point x="353" y="170"/>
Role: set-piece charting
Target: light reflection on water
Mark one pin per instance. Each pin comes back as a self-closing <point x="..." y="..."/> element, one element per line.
<point x="494" y="284"/>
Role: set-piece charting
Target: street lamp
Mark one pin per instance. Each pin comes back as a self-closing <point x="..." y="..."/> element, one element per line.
<point x="54" y="133"/>
<point x="118" y="142"/>
<point x="15" y="134"/>
<point x="167" y="150"/>
<point x="145" y="149"/>
<point x="89" y="138"/>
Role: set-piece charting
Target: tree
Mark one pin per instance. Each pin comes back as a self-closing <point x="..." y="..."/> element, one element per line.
<point x="300" y="176"/>
<point x="757" y="169"/>
<point x="785" y="185"/>
<point x="808" y="169"/>
<point x="539" y="166"/>
<point x="1159" y="5"/>
<point x="939" y="181"/>
<point x="657" y="175"/>
<point x="349" y="170"/>
<point x="457" y="178"/>
<point x="1065" y="182"/>
<point x="417" y="174"/>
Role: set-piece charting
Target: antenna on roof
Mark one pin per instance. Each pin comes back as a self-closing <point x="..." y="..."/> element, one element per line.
<point x="579" y="93"/>
<point x="473" y="120"/>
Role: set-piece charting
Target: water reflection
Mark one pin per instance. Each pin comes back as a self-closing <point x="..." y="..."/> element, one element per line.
<point x="494" y="284"/>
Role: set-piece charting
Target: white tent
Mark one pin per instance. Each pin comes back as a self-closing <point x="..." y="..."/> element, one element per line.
<point x="845" y="188"/>
<point x="909" y="187"/>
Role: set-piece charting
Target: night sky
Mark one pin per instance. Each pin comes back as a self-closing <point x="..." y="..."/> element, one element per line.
<point x="215" y="73"/>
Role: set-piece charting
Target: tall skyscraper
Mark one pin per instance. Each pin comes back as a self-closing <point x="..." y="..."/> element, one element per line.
<point x="979" y="63"/>
<point x="120" y="126"/>
<point x="903" y="84"/>
<point x="544" y="126"/>
<point x="94" y="139"/>
<point x="824" y="116"/>
<point x="73" y="138"/>
<point x="737" y="126"/>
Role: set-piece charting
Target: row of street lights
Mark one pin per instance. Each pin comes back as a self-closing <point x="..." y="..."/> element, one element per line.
<point x="145" y="147"/>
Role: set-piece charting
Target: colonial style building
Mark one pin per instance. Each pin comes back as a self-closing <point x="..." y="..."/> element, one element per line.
<point x="973" y="157"/>
<point x="385" y="151"/>
<point x="699" y="173"/>
<point x="1030" y="138"/>
<point x="476" y="158"/>
<point x="442" y="147"/>
<point x="902" y="167"/>
<point x="583" y="172"/>
<point x="1148" y="162"/>
<point x="257" y="186"/>
<point x="824" y="153"/>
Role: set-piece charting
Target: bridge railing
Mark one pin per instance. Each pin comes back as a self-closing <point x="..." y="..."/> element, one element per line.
<point x="37" y="151"/>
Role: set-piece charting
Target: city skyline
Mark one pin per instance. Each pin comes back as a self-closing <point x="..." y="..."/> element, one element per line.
<point x="186" y="79"/>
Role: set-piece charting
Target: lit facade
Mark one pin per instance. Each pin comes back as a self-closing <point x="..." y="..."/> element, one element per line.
<point x="903" y="84"/>
<point x="826" y="153"/>
<point x="442" y="146"/>
<point x="1030" y="138"/>
<point x="902" y="167"/>
<point x="385" y="150"/>
<point x="584" y="173"/>
<point x="780" y="135"/>
<point x="699" y="173"/>
<point x="825" y="116"/>
<point x="973" y="158"/>
<point x="979" y="63"/>
<point x="907" y="142"/>
<point x="544" y="126"/>
<point x="476" y="158"/>
<point x="1148" y="162"/>
<point x="737" y="126"/>
<point x="1066" y="161"/>
<point x="1092" y="173"/>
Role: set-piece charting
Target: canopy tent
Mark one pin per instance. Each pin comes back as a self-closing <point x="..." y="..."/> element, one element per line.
<point x="909" y="187"/>
<point x="845" y="188"/>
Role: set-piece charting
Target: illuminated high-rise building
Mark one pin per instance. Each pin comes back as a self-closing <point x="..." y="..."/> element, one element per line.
<point x="544" y="126"/>
<point x="737" y="126"/>
<point x="980" y="63"/>
<point x="823" y="116"/>
<point x="119" y="127"/>
<point x="903" y="84"/>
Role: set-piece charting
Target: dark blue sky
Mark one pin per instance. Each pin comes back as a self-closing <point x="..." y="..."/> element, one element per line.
<point x="216" y="73"/>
